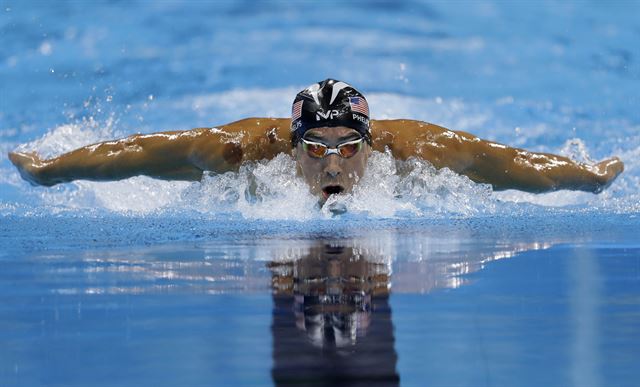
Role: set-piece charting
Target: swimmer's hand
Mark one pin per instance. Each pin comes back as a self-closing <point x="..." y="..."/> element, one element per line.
<point x="606" y="172"/>
<point x="29" y="166"/>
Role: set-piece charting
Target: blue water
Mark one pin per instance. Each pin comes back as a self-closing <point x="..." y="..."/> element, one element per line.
<point x="212" y="283"/>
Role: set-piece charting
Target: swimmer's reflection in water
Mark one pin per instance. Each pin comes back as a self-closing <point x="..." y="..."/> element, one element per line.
<point x="331" y="319"/>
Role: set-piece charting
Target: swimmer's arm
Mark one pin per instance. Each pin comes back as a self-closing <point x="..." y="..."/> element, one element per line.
<point x="501" y="166"/>
<point x="159" y="155"/>
<point x="176" y="155"/>
<point x="511" y="168"/>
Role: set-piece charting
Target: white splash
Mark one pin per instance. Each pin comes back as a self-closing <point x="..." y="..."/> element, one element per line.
<point x="65" y="138"/>
<point x="413" y="188"/>
<point x="576" y="150"/>
<point x="262" y="190"/>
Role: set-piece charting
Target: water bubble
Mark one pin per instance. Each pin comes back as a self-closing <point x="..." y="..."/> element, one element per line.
<point x="45" y="48"/>
<point x="577" y="151"/>
<point x="337" y="208"/>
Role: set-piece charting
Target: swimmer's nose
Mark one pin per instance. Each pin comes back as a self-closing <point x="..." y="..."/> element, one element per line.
<point x="333" y="173"/>
<point x="333" y="168"/>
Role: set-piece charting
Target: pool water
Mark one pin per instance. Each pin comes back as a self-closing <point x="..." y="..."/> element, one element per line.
<point x="470" y="303"/>
<point x="427" y="279"/>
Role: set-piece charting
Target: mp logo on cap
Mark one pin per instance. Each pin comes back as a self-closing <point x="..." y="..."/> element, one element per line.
<point x="328" y="115"/>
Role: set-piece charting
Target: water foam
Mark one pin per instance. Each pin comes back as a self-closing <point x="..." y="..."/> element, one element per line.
<point x="413" y="188"/>
<point x="259" y="190"/>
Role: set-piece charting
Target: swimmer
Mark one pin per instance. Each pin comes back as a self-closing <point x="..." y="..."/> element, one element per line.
<point x="330" y="135"/>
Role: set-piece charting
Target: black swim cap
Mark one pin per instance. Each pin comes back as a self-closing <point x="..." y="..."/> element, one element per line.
<point x="329" y="103"/>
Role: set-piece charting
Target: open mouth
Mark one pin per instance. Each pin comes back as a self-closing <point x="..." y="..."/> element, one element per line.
<point x="331" y="189"/>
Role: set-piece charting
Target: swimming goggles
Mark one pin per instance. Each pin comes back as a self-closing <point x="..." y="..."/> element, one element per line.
<point x="319" y="150"/>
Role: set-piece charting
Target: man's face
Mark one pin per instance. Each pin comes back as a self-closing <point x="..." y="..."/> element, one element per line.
<point x="332" y="173"/>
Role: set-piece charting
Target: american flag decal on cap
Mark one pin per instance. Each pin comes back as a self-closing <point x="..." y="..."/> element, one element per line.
<point x="296" y="110"/>
<point x="359" y="104"/>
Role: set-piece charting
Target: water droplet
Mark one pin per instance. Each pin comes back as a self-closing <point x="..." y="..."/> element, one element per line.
<point x="45" y="48"/>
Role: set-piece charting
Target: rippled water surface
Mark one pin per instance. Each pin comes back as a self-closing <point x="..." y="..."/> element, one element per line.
<point x="427" y="279"/>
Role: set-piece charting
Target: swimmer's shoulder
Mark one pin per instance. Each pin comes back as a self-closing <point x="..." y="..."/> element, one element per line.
<point x="248" y="128"/>
<point x="257" y="137"/>
<point x="400" y="132"/>
<point x="404" y="125"/>
<point x="257" y="124"/>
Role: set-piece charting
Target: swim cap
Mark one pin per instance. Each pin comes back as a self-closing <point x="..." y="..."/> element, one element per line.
<point x="329" y="103"/>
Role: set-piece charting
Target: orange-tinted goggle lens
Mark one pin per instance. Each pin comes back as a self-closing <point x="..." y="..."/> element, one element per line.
<point x="349" y="149"/>
<point x="315" y="149"/>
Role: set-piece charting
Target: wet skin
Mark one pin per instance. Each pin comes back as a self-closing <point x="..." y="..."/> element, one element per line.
<point x="185" y="155"/>
<point x="332" y="173"/>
